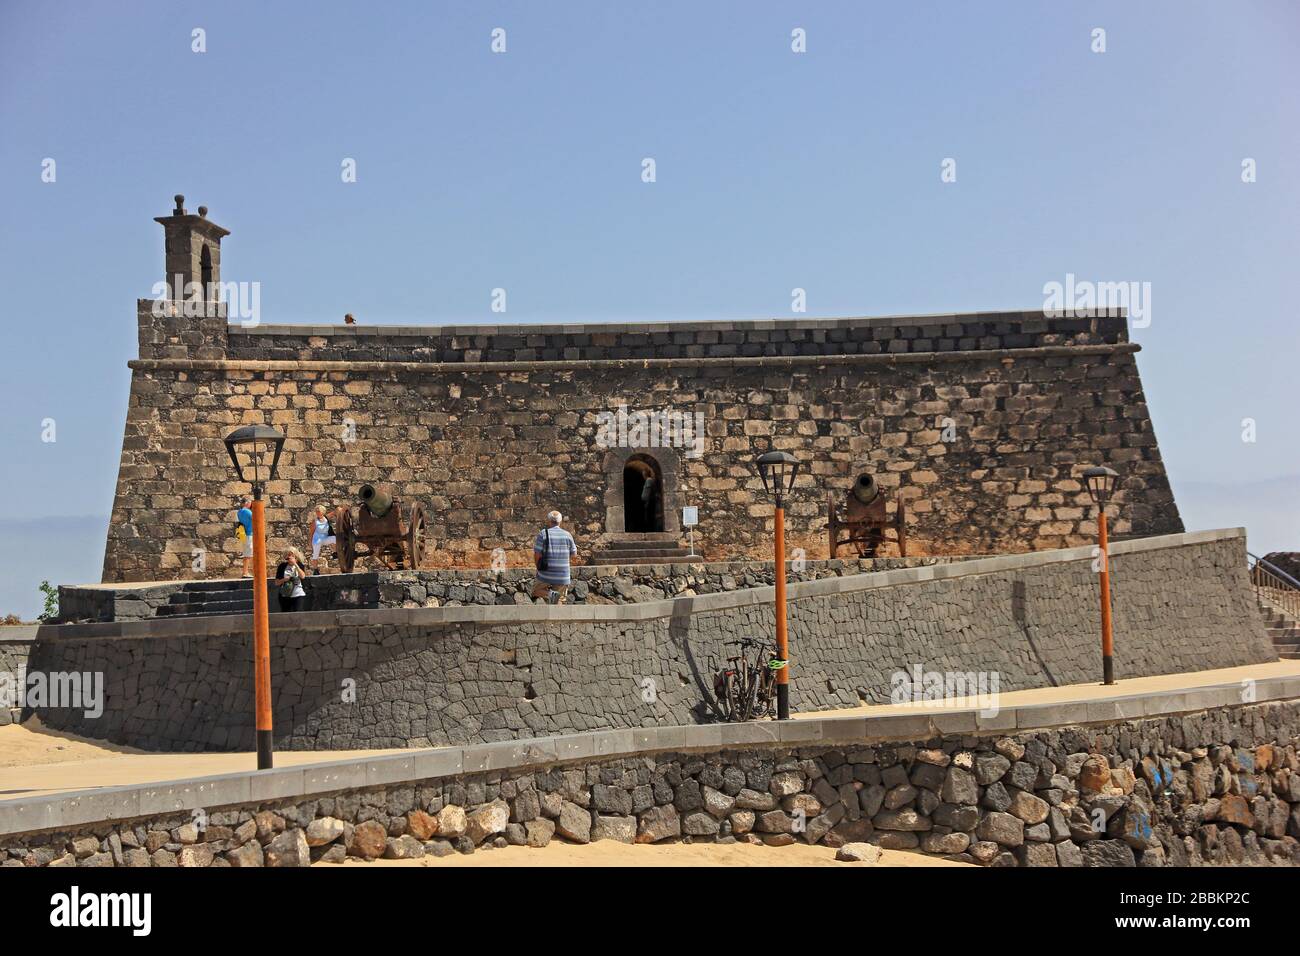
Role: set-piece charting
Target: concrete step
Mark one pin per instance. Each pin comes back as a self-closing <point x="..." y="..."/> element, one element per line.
<point x="183" y="598"/>
<point x="614" y="557"/>
<point x="647" y="549"/>
<point x="649" y="537"/>
<point x="609" y="560"/>
<point x="244" y="606"/>
<point x="219" y="584"/>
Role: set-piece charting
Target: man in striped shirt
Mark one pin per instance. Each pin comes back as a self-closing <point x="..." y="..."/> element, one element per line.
<point x="557" y="546"/>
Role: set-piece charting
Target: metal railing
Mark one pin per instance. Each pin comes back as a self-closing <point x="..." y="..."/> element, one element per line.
<point x="1275" y="587"/>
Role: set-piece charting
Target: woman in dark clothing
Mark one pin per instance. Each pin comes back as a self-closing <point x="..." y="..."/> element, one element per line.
<point x="289" y="581"/>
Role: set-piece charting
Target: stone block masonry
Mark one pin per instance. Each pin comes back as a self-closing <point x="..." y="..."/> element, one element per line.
<point x="1215" y="785"/>
<point x="430" y="676"/>
<point x="980" y="422"/>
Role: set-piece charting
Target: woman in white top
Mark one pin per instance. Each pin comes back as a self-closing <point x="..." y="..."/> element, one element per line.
<point x="322" y="533"/>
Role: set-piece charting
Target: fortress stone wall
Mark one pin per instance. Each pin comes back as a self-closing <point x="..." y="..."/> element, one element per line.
<point x="450" y="675"/>
<point x="980" y="422"/>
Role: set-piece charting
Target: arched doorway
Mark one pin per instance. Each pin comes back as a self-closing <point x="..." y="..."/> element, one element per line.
<point x="643" y="495"/>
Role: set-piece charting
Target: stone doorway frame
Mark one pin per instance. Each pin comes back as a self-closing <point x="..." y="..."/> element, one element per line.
<point x="616" y="460"/>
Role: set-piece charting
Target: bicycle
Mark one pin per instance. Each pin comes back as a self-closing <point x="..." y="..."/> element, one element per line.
<point x="746" y="691"/>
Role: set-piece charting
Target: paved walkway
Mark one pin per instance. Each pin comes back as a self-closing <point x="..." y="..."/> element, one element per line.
<point x="1071" y="693"/>
<point x="32" y="760"/>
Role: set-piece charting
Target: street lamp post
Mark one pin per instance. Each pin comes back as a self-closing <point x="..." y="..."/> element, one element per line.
<point x="254" y="442"/>
<point x="1101" y="483"/>
<point x="780" y="467"/>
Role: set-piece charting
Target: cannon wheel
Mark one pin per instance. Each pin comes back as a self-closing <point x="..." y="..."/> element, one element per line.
<point x="415" y="535"/>
<point x="347" y="541"/>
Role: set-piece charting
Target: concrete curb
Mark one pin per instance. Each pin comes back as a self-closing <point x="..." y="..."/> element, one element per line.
<point x="238" y="624"/>
<point x="65" y="810"/>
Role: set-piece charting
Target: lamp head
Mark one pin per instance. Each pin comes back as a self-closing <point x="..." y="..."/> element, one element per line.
<point x="251" y="446"/>
<point x="777" y="469"/>
<point x="1101" y="483"/>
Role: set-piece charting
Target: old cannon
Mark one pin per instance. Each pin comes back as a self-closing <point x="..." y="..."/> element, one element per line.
<point x="391" y="532"/>
<point x="865" y="521"/>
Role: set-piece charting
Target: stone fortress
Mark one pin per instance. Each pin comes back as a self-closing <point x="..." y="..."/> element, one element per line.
<point x="979" y="422"/>
<point x="518" y="723"/>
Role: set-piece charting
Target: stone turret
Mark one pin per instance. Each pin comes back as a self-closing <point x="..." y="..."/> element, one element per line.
<point x="193" y="252"/>
<point x="186" y="319"/>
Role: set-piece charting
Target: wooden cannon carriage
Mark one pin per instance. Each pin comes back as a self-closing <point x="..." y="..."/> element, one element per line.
<point x="387" y="530"/>
<point x="864" y="524"/>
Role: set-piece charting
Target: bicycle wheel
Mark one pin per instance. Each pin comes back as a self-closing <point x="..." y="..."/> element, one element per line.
<point x="766" y="692"/>
<point x="724" y="692"/>
<point x="750" y="693"/>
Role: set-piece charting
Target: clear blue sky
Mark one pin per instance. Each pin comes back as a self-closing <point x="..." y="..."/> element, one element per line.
<point x="775" y="170"/>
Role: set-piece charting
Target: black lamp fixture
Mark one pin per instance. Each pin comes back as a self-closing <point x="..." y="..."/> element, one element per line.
<point x="1101" y="483"/>
<point x="777" y="469"/>
<point x="254" y="442"/>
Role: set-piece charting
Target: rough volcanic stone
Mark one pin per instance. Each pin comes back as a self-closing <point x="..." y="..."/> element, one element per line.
<point x="248" y="855"/>
<point x="659" y="823"/>
<point x="574" y="823"/>
<point x="858" y="853"/>
<point x="451" y="821"/>
<point x="369" y="840"/>
<point x="539" y="831"/>
<point x="404" y="847"/>
<point x="1028" y="807"/>
<point x="487" y="820"/>
<point x="1003" y="828"/>
<point x="619" y="828"/>
<point x="960" y="787"/>
<point x="990" y="767"/>
<point x="324" y="830"/>
<point x="423" y="826"/>
<point x="1036" y="854"/>
<point x="288" y="849"/>
<point x="1108" y="853"/>
<point x="1094" y="775"/>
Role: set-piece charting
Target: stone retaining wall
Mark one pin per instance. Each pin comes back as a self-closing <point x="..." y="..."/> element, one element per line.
<point x="451" y="587"/>
<point x="1211" y="787"/>
<point x="409" y="678"/>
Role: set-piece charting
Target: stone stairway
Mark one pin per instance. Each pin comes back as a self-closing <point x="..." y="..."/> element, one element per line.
<point x="204" y="598"/>
<point x="660" y="547"/>
<point x="1282" y="629"/>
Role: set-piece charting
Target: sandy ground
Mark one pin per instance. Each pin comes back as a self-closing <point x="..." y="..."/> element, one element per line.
<point x="35" y="761"/>
<point x="29" y="744"/>
<point x="611" y="853"/>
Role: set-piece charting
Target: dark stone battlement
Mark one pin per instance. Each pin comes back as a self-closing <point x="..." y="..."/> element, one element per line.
<point x="983" y="331"/>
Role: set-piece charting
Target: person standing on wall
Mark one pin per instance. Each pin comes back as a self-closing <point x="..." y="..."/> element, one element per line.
<point x="289" y="581"/>
<point x="552" y="551"/>
<point x="244" y="533"/>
